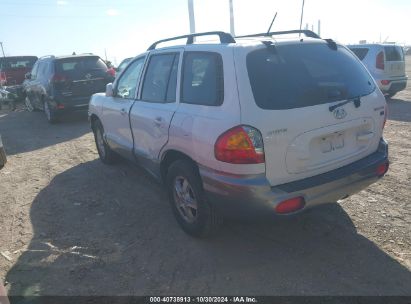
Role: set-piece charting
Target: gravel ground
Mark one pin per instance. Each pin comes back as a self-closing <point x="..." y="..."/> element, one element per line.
<point x="73" y="226"/>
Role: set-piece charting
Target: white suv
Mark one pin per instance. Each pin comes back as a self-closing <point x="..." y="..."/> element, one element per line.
<point x="246" y="125"/>
<point x="386" y="64"/>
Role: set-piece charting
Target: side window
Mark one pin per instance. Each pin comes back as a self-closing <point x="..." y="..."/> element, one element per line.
<point x="161" y="78"/>
<point x="42" y="71"/>
<point x="128" y="83"/>
<point x="203" y="79"/>
<point x="34" y="71"/>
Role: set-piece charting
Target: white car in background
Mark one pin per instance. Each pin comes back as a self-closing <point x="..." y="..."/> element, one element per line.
<point x="386" y="64"/>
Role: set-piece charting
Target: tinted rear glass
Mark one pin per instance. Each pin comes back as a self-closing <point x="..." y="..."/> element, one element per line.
<point x="17" y="62"/>
<point x="78" y="67"/>
<point x="393" y="53"/>
<point x="303" y="75"/>
<point x="360" y="52"/>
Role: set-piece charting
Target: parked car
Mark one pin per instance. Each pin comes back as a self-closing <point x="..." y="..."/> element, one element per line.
<point x="122" y="65"/>
<point x="247" y="125"/>
<point x="3" y="157"/>
<point x="386" y="64"/>
<point x="12" y="71"/>
<point x="58" y="85"/>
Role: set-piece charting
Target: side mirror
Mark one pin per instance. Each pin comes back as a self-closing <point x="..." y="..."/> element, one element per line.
<point x="27" y="75"/>
<point x="109" y="90"/>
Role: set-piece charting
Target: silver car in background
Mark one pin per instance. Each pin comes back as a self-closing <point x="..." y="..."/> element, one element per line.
<point x="386" y="64"/>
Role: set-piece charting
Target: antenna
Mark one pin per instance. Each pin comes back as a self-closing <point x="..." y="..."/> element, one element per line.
<point x="302" y="14"/>
<point x="269" y="29"/>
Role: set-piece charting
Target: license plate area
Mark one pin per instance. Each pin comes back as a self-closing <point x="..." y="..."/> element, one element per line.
<point x="332" y="142"/>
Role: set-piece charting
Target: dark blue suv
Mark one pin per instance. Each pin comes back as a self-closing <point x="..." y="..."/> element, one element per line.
<point x="58" y="85"/>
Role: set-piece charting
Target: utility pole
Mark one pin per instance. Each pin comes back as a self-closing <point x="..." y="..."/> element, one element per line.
<point x="231" y="18"/>
<point x="191" y="17"/>
<point x="319" y="28"/>
<point x="1" y="43"/>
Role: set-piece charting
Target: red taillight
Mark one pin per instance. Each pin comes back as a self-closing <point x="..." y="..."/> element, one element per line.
<point x="111" y="72"/>
<point x="290" y="205"/>
<point x="385" y="82"/>
<point x="382" y="169"/>
<point x="58" y="78"/>
<point x="60" y="106"/>
<point x="379" y="63"/>
<point x="3" y="78"/>
<point x="240" y="145"/>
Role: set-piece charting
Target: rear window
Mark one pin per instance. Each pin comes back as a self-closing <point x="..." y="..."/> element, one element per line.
<point x="360" y="52"/>
<point x="393" y="53"/>
<point x="80" y="65"/>
<point x="296" y="76"/>
<point x="17" y="62"/>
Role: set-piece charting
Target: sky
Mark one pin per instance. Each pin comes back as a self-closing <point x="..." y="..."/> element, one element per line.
<point x="124" y="28"/>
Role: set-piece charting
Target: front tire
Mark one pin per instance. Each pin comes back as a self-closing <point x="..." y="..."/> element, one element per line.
<point x="196" y="216"/>
<point x="107" y="156"/>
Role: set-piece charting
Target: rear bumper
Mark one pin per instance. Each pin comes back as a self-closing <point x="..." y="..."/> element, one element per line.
<point x="396" y="84"/>
<point x="247" y="195"/>
<point x="67" y="105"/>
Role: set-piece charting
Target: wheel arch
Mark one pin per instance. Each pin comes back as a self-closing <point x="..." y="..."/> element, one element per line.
<point x="169" y="157"/>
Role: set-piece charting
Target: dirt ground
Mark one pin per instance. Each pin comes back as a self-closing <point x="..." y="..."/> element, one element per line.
<point x="70" y="225"/>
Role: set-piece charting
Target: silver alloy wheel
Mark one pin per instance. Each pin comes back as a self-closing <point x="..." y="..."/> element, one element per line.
<point x="100" y="143"/>
<point x="185" y="199"/>
<point x="28" y="104"/>
<point x="47" y="111"/>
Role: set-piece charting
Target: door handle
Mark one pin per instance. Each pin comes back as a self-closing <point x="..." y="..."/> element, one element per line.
<point x="123" y="111"/>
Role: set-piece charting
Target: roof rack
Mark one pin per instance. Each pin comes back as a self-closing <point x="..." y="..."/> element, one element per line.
<point x="224" y="38"/>
<point x="307" y="33"/>
<point x="47" y="56"/>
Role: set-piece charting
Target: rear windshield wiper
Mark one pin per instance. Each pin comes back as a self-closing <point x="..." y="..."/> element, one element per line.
<point x="356" y="100"/>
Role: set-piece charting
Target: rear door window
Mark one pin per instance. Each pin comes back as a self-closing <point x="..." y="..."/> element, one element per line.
<point x="360" y="52"/>
<point x="393" y="53"/>
<point x="161" y="78"/>
<point x="81" y="67"/>
<point x="203" y="81"/>
<point x="295" y="76"/>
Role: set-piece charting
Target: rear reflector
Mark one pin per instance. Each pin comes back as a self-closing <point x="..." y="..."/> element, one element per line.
<point x="290" y="205"/>
<point x="385" y="82"/>
<point x="382" y="169"/>
<point x="3" y="78"/>
<point x="60" y="106"/>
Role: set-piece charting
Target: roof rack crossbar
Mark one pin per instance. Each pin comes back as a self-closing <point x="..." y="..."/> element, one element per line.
<point x="224" y="38"/>
<point x="307" y="33"/>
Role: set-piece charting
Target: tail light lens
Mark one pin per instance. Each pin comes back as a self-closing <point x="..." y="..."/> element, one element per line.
<point x="3" y="78"/>
<point x="382" y="169"/>
<point x="58" y="78"/>
<point x="290" y="205"/>
<point x="240" y="145"/>
<point x="379" y="64"/>
<point x="385" y="82"/>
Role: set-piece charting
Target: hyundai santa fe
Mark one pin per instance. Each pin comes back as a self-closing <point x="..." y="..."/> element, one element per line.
<point x="252" y="124"/>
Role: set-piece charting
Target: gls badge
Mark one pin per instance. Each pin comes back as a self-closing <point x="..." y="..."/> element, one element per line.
<point x="339" y="113"/>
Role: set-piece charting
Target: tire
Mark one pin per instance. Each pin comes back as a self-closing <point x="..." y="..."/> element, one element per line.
<point x="51" y="117"/>
<point x="107" y="156"/>
<point x="391" y="95"/>
<point x="194" y="214"/>
<point x="29" y="105"/>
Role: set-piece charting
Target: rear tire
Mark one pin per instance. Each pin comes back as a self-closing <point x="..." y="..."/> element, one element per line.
<point x="50" y="115"/>
<point x="107" y="156"/>
<point x="391" y="95"/>
<point x="29" y="105"/>
<point x="195" y="215"/>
